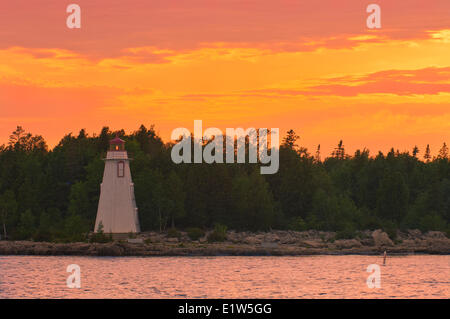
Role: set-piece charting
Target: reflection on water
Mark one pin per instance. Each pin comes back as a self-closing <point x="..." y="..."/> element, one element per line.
<point x="225" y="277"/>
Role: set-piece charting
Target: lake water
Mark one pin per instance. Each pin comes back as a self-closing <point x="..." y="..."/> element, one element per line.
<point x="419" y="276"/>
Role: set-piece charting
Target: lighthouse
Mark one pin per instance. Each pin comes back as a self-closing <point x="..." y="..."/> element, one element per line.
<point x="117" y="211"/>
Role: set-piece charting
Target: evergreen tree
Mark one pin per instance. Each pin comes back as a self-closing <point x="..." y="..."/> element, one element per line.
<point x="427" y="155"/>
<point x="393" y="197"/>
<point x="8" y="207"/>
<point x="290" y="140"/>
<point x="317" y="158"/>
<point x="26" y="225"/>
<point x="443" y="152"/>
<point x="415" y="151"/>
<point x="53" y="195"/>
<point x="339" y="151"/>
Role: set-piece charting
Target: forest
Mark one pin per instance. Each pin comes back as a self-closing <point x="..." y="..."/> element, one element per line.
<point x="52" y="194"/>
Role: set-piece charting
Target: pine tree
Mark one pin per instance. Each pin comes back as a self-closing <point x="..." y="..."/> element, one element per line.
<point x="16" y="136"/>
<point x="443" y="152"/>
<point x="427" y="155"/>
<point x="290" y="139"/>
<point x="318" y="154"/>
<point x="415" y="151"/>
<point x="8" y="207"/>
<point x="339" y="151"/>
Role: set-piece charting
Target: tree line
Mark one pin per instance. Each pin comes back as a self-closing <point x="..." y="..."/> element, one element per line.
<point x="52" y="195"/>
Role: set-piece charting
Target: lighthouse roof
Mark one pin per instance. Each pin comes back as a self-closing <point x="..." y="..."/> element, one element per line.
<point x="116" y="140"/>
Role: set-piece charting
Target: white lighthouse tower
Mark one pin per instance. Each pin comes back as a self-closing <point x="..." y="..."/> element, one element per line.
<point x="117" y="210"/>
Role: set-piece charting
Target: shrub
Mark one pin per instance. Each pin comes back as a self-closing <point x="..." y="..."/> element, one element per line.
<point x="390" y="229"/>
<point x="42" y="235"/>
<point x="219" y="233"/>
<point x="346" y="233"/>
<point x="195" y="233"/>
<point x="99" y="236"/>
<point x="173" y="233"/>
<point x="298" y="224"/>
<point x="432" y="222"/>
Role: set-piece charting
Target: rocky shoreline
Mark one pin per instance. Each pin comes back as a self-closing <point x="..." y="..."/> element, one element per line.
<point x="274" y="243"/>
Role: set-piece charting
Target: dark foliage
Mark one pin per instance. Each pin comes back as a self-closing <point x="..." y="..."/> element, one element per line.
<point x="53" y="194"/>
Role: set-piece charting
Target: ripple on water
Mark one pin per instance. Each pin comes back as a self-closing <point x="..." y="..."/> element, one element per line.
<point x="224" y="277"/>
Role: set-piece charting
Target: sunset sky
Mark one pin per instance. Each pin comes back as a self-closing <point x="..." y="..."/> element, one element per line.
<point x="313" y="66"/>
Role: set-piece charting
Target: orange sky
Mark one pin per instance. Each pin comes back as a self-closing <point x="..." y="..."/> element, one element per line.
<point x="308" y="65"/>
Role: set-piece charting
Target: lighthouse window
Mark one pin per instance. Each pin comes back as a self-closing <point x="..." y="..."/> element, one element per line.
<point x="120" y="169"/>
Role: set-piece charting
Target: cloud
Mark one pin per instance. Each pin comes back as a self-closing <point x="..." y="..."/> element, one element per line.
<point x="110" y="26"/>
<point x="398" y="82"/>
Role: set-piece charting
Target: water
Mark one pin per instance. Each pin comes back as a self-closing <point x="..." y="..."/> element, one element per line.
<point x="225" y="277"/>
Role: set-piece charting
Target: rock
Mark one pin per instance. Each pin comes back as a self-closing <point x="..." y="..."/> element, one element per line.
<point x="409" y="244"/>
<point x="242" y="243"/>
<point x="312" y="233"/>
<point x="435" y="235"/>
<point x="288" y="239"/>
<point x="252" y="240"/>
<point x="440" y="245"/>
<point x="327" y="235"/>
<point x="237" y="239"/>
<point x="414" y="233"/>
<point x="312" y="244"/>
<point x="347" y="243"/>
<point x="271" y="238"/>
<point x="381" y="238"/>
<point x="269" y="245"/>
<point x="233" y="236"/>
<point x="260" y="237"/>
<point x="109" y="250"/>
<point x="155" y="239"/>
<point x="367" y="241"/>
<point x="135" y="240"/>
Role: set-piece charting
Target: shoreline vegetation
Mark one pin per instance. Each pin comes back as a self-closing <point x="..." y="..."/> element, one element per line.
<point x="52" y="195"/>
<point x="273" y="243"/>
